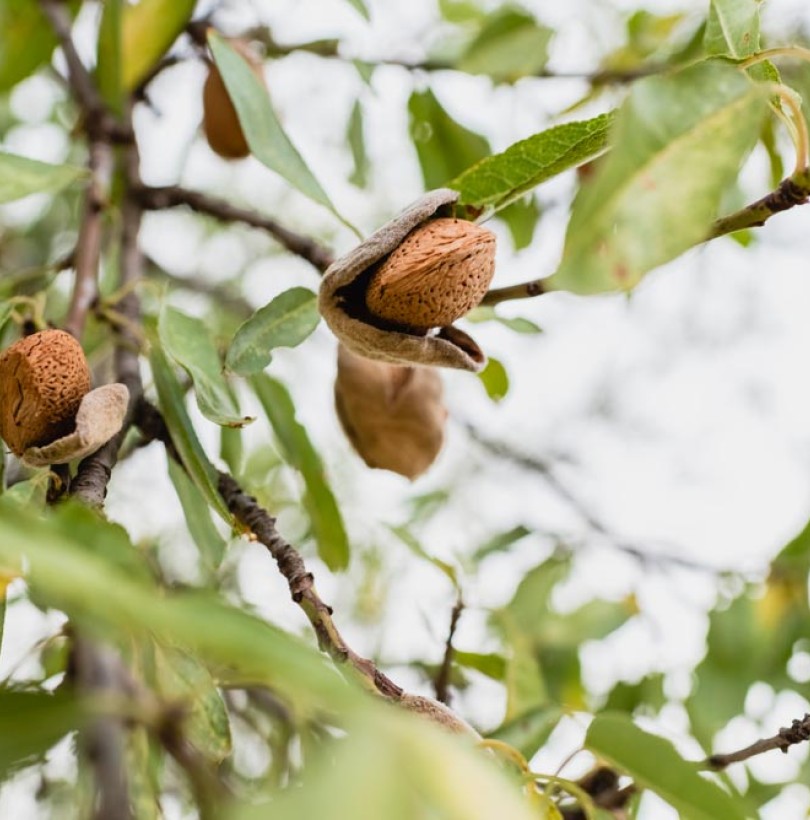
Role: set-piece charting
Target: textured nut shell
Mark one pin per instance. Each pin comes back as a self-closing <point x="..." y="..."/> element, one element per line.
<point x="43" y="378"/>
<point x="392" y="415"/>
<point x="450" y="348"/>
<point x="220" y="120"/>
<point x="100" y="416"/>
<point x="438" y="713"/>
<point x="439" y="272"/>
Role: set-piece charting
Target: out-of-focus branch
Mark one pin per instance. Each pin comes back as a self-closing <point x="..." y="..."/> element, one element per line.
<point x="95" y="670"/>
<point x="797" y="732"/>
<point x="93" y="475"/>
<point x="441" y="686"/>
<point x="88" y="246"/>
<point x="258" y="521"/>
<point x="542" y="468"/>
<point x="173" y="196"/>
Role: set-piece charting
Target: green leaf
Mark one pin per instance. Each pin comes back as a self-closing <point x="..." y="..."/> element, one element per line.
<point x="445" y="147"/>
<point x="320" y="504"/>
<point x="198" y="519"/>
<point x="20" y="177"/>
<point x="500" y="542"/>
<point x="503" y="178"/>
<point x="679" y="142"/>
<point x="510" y="45"/>
<point x="490" y="664"/>
<point x="28" y="41"/>
<point x="495" y="379"/>
<point x="181" y="678"/>
<point x="653" y="763"/>
<point x="361" y="7"/>
<point x="529" y="731"/>
<point x="231" y="449"/>
<point x="521" y="217"/>
<point x="525" y="684"/>
<point x="103" y="597"/>
<point x="267" y="140"/>
<point x="285" y="322"/>
<point x="486" y="313"/>
<point x="108" y="58"/>
<point x="149" y="29"/>
<point x="32" y="722"/>
<point x="188" y="341"/>
<point x="732" y="29"/>
<point x="461" y="11"/>
<point x="357" y="142"/>
<point x="170" y="397"/>
<point x="413" y="544"/>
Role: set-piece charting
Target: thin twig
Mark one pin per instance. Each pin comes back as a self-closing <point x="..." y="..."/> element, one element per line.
<point x="541" y="467"/>
<point x="797" y="732"/>
<point x="441" y="685"/>
<point x="173" y="196"/>
<point x="524" y="290"/>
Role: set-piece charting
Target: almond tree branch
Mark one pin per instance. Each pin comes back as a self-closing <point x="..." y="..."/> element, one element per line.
<point x="258" y="521"/>
<point x="441" y="686"/>
<point x="797" y="732"/>
<point x="173" y="196"/>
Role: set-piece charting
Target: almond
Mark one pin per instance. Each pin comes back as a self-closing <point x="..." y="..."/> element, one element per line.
<point x="439" y="272"/>
<point x="393" y="415"/>
<point x="220" y="120"/>
<point x="43" y="379"/>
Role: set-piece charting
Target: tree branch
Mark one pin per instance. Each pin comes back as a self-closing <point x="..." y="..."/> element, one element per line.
<point x="797" y="732"/>
<point x="441" y="685"/>
<point x="538" y="465"/>
<point x="302" y="586"/>
<point x="173" y="196"/>
<point x="524" y="290"/>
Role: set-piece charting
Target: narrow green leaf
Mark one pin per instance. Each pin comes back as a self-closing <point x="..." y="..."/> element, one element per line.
<point x="231" y="449"/>
<point x="285" y="322"/>
<point x="486" y="313"/>
<point x="104" y="598"/>
<point x="461" y="11"/>
<point x="199" y="468"/>
<point x="320" y="503"/>
<point x="510" y="45"/>
<point x="412" y="543"/>
<point x="149" y="29"/>
<point x="490" y="664"/>
<point x="32" y="722"/>
<point x="654" y="764"/>
<point x="732" y="29"/>
<point x="521" y="217"/>
<point x="503" y="178"/>
<point x="361" y="7"/>
<point x="679" y="142"/>
<point x="357" y="142"/>
<point x="267" y="140"/>
<point x="526" y="688"/>
<point x="28" y="40"/>
<point x="445" y="147"/>
<point x="495" y="379"/>
<point x="500" y="542"/>
<point x="188" y="341"/>
<point x="20" y="177"/>
<point x="198" y="519"/>
<point x="108" y="57"/>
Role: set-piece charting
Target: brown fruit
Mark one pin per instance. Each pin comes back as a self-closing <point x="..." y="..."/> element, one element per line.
<point x="220" y="120"/>
<point x="439" y="272"/>
<point x="393" y="415"/>
<point x="43" y="379"/>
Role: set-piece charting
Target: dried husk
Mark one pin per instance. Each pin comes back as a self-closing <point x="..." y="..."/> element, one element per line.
<point x="48" y="414"/>
<point x="438" y="713"/>
<point x="393" y="415"/>
<point x="342" y="300"/>
<point x="220" y="120"/>
<point x="100" y="417"/>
